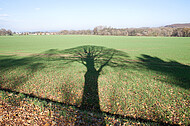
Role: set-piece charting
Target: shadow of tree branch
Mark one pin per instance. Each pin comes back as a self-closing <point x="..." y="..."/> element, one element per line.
<point x="179" y="72"/>
<point x="8" y="63"/>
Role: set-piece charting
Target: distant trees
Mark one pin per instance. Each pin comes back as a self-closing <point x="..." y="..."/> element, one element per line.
<point x="5" y="32"/>
<point x="109" y="31"/>
<point x="186" y="32"/>
<point x="181" y="32"/>
<point x="177" y="32"/>
<point x="9" y="32"/>
<point x="159" y="31"/>
<point x="76" y="32"/>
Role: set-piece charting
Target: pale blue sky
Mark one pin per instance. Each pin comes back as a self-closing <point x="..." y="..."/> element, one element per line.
<point x="34" y="15"/>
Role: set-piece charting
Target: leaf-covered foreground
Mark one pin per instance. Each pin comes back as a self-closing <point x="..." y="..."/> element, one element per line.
<point x="22" y="109"/>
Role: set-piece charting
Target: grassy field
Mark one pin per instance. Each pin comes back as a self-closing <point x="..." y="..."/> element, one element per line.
<point x="165" y="48"/>
<point x="147" y="78"/>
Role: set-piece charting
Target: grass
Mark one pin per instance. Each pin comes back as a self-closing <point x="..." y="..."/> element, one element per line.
<point x="152" y="83"/>
<point x="165" y="48"/>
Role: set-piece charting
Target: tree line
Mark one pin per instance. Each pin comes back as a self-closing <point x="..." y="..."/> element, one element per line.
<point x="109" y="31"/>
<point x="159" y="31"/>
<point x="5" y="32"/>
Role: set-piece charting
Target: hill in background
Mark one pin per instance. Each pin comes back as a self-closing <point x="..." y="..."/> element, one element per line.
<point x="186" y="25"/>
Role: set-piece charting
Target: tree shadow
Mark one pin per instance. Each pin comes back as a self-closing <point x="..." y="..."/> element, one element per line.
<point x="94" y="58"/>
<point x="179" y="73"/>
<point x="10" y="63"/>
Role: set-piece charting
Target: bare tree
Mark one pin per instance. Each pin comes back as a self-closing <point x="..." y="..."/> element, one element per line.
<point x="3" y="31"/>
<point x="9" y="32"/>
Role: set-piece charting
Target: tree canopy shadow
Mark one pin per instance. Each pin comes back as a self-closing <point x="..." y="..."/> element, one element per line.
<point x="94" y="58"/>
<point x="10" y="63"/>
<point x="180" y="73"/>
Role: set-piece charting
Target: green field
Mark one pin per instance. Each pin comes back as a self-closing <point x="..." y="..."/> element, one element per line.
<point x="166" y="48"/>
<point x="147" y="77"/>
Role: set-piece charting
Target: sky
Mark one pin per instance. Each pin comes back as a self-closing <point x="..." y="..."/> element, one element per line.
<point x="55" y="15"/>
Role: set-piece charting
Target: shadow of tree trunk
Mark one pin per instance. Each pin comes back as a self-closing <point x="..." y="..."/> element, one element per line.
<point x="90" y="98"/>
